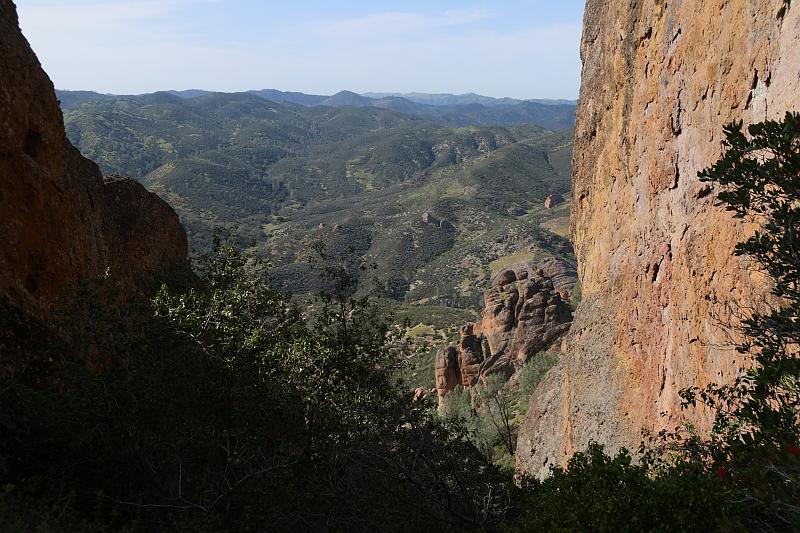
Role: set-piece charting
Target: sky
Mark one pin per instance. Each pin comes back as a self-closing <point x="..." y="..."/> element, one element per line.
<point x="516" y="48"/>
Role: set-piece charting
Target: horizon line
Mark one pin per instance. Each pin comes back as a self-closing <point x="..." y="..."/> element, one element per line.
<point x="365" y="93"/>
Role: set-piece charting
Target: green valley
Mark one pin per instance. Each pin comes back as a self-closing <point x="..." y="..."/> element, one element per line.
<point x="436" y="210"/>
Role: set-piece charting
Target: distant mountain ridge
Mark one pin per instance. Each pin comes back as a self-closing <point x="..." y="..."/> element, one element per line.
<point x="467" y="98"/>
<point x="447" y="109"/>
<point x="440" y="99"/>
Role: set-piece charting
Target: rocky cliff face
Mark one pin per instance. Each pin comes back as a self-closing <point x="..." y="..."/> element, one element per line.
<point x="60" y="220"/>
<point x="660" y="79"/>
<point x="525" y="312"/>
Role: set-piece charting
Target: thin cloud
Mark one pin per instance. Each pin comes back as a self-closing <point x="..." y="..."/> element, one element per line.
<point x="92" y="16"/>
<point x="142" y="46"/>
<point x="101" y="17"/>
<point x="395" y="22"/>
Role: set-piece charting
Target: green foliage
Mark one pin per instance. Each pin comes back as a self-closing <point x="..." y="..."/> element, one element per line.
<point x="284" y="176"/>
<point x="575" y="301"/>
<point x="488" y="413"/>
<point x="457" y="405"/>
<point x="219" y="406"/>
<point x="455" y="112"/>
<point x="534" y="370"/>
<point x="756" y="435"/>
<point x="598" y="492"/>
<point x="497" y="410"/>
<point x="263" y="154"/>
<point x="462" y="411"/>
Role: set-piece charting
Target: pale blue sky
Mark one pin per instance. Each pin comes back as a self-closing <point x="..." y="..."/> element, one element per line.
<point x="518" y="48"/>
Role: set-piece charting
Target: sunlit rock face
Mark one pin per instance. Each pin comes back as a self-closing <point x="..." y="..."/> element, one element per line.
<point x="526" y="311"/>
<point x="60" y="220"/>
<point x="656" y="269"/>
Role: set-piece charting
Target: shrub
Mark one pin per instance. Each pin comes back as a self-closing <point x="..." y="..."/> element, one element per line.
<point x="598" y="492"/>
<point x="534" y="370"/>
<point x="575" y="300"/>
<point x="497" y="411"/>
<point x="219" y="406"/>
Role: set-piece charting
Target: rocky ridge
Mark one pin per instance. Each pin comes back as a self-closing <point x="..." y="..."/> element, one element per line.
<point x="526" y="311"/>
<point x="60" y="219"/>
<point x="657" y="272"/>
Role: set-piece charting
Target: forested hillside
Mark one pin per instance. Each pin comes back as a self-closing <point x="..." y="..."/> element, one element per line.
<point x="424" y="215"/>
<point x="447" y="109"/>
<point x="360" y="179"/>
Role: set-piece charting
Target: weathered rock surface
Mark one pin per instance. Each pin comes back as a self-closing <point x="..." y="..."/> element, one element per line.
<point x="660" y="79"/>
<point x="553" y="200"/>
<point x="429" y="218"/>
<point x="562" y="274"/>
<point x="60" y="220"/>
<point x="524" y="314"/>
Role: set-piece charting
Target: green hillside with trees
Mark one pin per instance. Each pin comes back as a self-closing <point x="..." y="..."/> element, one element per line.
<point x="359" y="179"/>
<point x="450" y="110"/>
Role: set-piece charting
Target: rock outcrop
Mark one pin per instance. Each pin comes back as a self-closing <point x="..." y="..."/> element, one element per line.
<point x="553" y="200"/>
<point x="561" y="274"/>
<point x="657" y="272"/>
<point x="60" y="220"/>
<point x="431" y="220"/>
<point x="525" y="313"/>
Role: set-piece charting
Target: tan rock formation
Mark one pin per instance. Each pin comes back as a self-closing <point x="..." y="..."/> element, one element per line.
<point x="524" y="314"/>
<point x="60" y="220"/>
<point x="660" y="79"/>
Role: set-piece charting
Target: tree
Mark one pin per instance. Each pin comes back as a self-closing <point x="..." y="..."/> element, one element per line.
<point x="497" y="408"/>
<point x="755" y="441"/>
<point x="219" y="405"/>
<point x="599" y="492"/>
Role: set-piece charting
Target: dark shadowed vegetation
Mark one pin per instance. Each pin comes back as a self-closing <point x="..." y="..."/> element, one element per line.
<point x="221" y="404"/>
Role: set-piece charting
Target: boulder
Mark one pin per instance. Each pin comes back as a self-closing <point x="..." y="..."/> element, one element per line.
<point x="430" y="219"/>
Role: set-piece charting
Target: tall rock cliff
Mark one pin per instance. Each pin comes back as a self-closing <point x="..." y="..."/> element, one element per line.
<point x="660" y="79"/>
<point x="60" y="220"/>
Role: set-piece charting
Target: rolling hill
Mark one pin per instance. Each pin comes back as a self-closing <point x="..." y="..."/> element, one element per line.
<point x="466" y="99"/>
<point x="449" y="110"/>
<point x="438" y="210"/>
